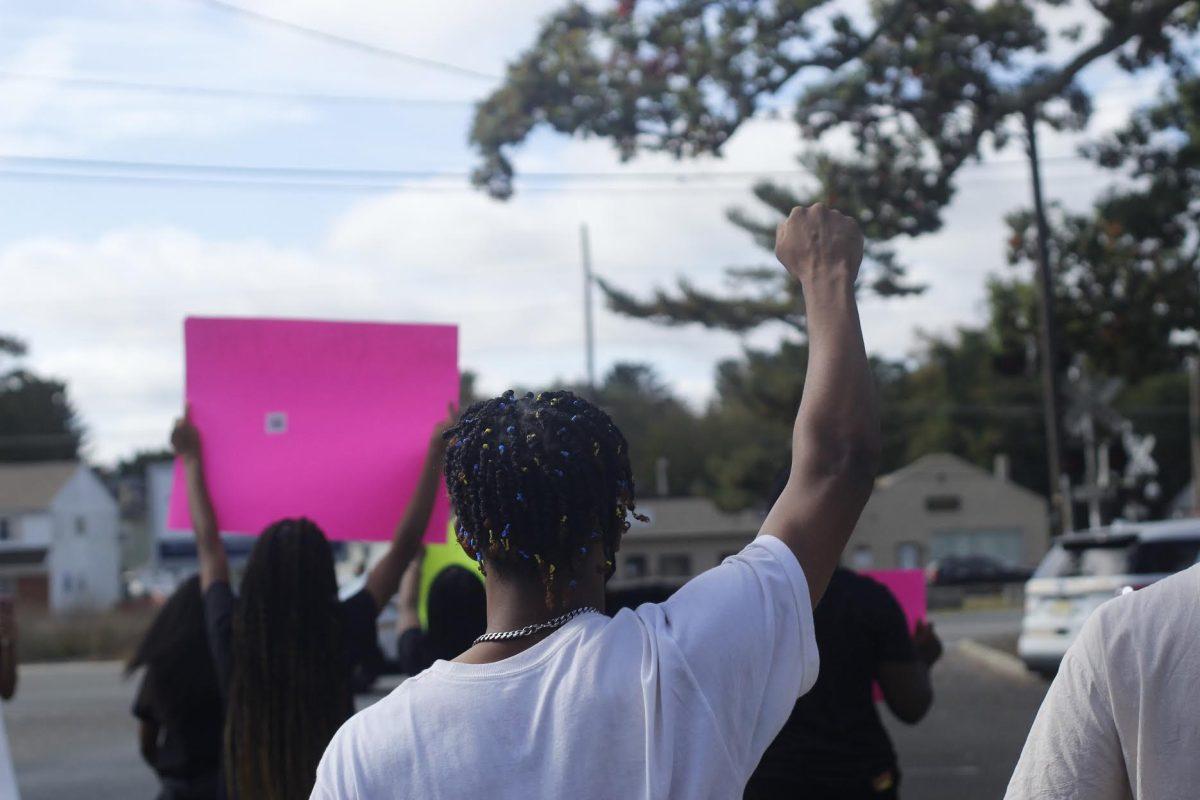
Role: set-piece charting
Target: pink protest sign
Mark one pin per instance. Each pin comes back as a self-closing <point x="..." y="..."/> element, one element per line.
<point x="328" y="420"/>
<point x="908" y="587"/>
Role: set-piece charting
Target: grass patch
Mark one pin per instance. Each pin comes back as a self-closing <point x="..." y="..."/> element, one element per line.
<point x="81" y="636"/>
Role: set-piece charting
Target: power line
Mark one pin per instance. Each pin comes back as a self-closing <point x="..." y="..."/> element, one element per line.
<point x="349" y="43"/>
<point x="172" y="89"/>
<point x="53" y="166"/>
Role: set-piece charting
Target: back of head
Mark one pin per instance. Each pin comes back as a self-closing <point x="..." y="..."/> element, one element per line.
<point x="457" y="611"/>
<point x="289" y="690"/>
<point x="176" y="648"/>
<point x="539" y="484"/>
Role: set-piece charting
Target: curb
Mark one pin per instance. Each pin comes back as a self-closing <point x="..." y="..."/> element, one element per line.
<point x="996" y="660"/>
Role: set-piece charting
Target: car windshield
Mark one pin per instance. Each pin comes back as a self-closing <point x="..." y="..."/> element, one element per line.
<point x="1124" y="557"/>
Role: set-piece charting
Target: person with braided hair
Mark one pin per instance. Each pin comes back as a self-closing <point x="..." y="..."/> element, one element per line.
<point x="672" y="700"/>
<point x="286" y="649"/>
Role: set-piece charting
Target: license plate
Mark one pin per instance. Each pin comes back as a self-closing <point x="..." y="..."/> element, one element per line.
<point x="1062" y="608"/>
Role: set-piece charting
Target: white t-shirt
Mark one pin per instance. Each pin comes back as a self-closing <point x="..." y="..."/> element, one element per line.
<point x="674" y="700"/>
<point x="1122" y="718"/>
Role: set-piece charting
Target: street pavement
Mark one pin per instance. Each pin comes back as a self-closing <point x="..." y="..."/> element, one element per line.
<point x="73" y="738"/>
<point x="968" y="744"/>
<point x="984" y="625"/>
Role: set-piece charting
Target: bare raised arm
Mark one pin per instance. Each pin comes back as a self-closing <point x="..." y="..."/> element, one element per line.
<point x="835" y="444"/>
<point x="409" y="600"/>
<point x="384" y="578"/>
<point x="214" y="563"/>
<point x="8" y="649"/>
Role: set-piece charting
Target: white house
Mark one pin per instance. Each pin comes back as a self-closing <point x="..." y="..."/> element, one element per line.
<point x="683" y="537"/>
<point x="937" y="506"/>
<point x="59" y="544"/>
<point x="941" y="505"/>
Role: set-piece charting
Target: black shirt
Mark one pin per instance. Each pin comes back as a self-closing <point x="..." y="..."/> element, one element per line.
<point x="360" y="637"/>
<point x="187" y="758"/>
<point x="835" y="731"/>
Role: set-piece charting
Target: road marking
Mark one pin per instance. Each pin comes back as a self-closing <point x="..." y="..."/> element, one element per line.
<point x="996" y="660"/>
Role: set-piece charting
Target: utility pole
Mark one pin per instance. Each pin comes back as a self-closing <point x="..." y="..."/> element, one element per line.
<point x="589" y="334"/>
<point x="1051" y="395"/>
<point x="1194" y="418"/>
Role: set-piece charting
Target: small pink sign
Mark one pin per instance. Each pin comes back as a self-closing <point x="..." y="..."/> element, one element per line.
<point x="908" y="587"/>
<point x="328" y="420"/>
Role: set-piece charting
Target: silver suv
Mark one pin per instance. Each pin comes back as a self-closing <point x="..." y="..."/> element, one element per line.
<point x="1085" y="569"/>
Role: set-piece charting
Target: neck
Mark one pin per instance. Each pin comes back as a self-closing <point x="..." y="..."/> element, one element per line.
<point x="516" y="601"/>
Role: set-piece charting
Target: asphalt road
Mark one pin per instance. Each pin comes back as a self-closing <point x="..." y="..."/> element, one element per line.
<point x="968" y="744"/>
<point x="982" y="625"/>
<point x="73" y="738"/>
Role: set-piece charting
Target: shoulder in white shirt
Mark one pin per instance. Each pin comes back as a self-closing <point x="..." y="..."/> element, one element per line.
<point x="1121" y="718"/>
<point x="678" y="700"/>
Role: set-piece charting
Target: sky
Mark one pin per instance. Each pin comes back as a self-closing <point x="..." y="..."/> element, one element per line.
<point x="97" y="276"/>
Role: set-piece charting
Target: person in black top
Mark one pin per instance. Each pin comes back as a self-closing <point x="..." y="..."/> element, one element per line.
<point x="834" y="745"/>
<point x="286" y="651"/>
<point x="178" y="705"/>
<point x="456" y="611"/>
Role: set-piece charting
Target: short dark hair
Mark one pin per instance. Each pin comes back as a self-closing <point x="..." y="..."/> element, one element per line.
<point x="537" y="483"/>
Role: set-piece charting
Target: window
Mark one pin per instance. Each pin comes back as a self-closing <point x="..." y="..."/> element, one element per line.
<point x="80" y="525"/>
<point x="862" y="557"/>
<point x="943" y="502"/>
<point x="675" y="565"/>
<point x="1121" y="556"/>
<point x="5" y="533"/>
<point x="908" y="555"/>
<point x="1003" y="545"/>
<point x="635" y="567"/>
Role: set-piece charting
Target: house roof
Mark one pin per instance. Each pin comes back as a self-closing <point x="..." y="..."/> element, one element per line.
<point x="33" y="486"/>
<point x="691" y="516"/>
<point x="934" y="463"/>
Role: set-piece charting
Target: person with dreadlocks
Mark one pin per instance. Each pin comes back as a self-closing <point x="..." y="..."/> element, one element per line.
<point x="678" y="699"/>
<point x="286" y="649"/>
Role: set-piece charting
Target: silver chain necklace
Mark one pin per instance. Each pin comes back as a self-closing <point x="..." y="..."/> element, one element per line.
<point x="529" y="630"/>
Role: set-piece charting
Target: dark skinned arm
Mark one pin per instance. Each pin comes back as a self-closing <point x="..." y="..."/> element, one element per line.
<point x="906" y="686"/>
<point x="408" y="601"/>
<point x="214" y="563"/>
<point x="148" y="741"/>
<point x="8" y="650"/>
<point x="835" y="444"/>
<point x="384" y="578"/>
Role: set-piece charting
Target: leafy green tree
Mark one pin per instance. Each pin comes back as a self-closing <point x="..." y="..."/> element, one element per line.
<point x="37" y="421"/>
<point x="1127" y="273"/>
<point x="919" y="91"/>
<point x="658" y="425"/>
<point x="924" y="87"/>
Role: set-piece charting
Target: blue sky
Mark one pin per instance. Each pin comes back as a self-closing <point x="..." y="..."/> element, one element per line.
<point x="98" y="276"/>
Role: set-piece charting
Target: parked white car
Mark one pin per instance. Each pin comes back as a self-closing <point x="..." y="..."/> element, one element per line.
<point x="1085" y="569"/>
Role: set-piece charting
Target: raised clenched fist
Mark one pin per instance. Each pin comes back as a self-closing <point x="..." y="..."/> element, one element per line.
<point x="817" y="242"/>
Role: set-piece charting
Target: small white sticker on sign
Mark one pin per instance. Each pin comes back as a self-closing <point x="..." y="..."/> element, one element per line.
<point x="276" y="422"/>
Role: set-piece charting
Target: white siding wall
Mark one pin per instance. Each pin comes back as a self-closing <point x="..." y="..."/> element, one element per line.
<point x="85" y="558"/>
<point x="35" y="528"/>
<point x="991" y="516"/>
